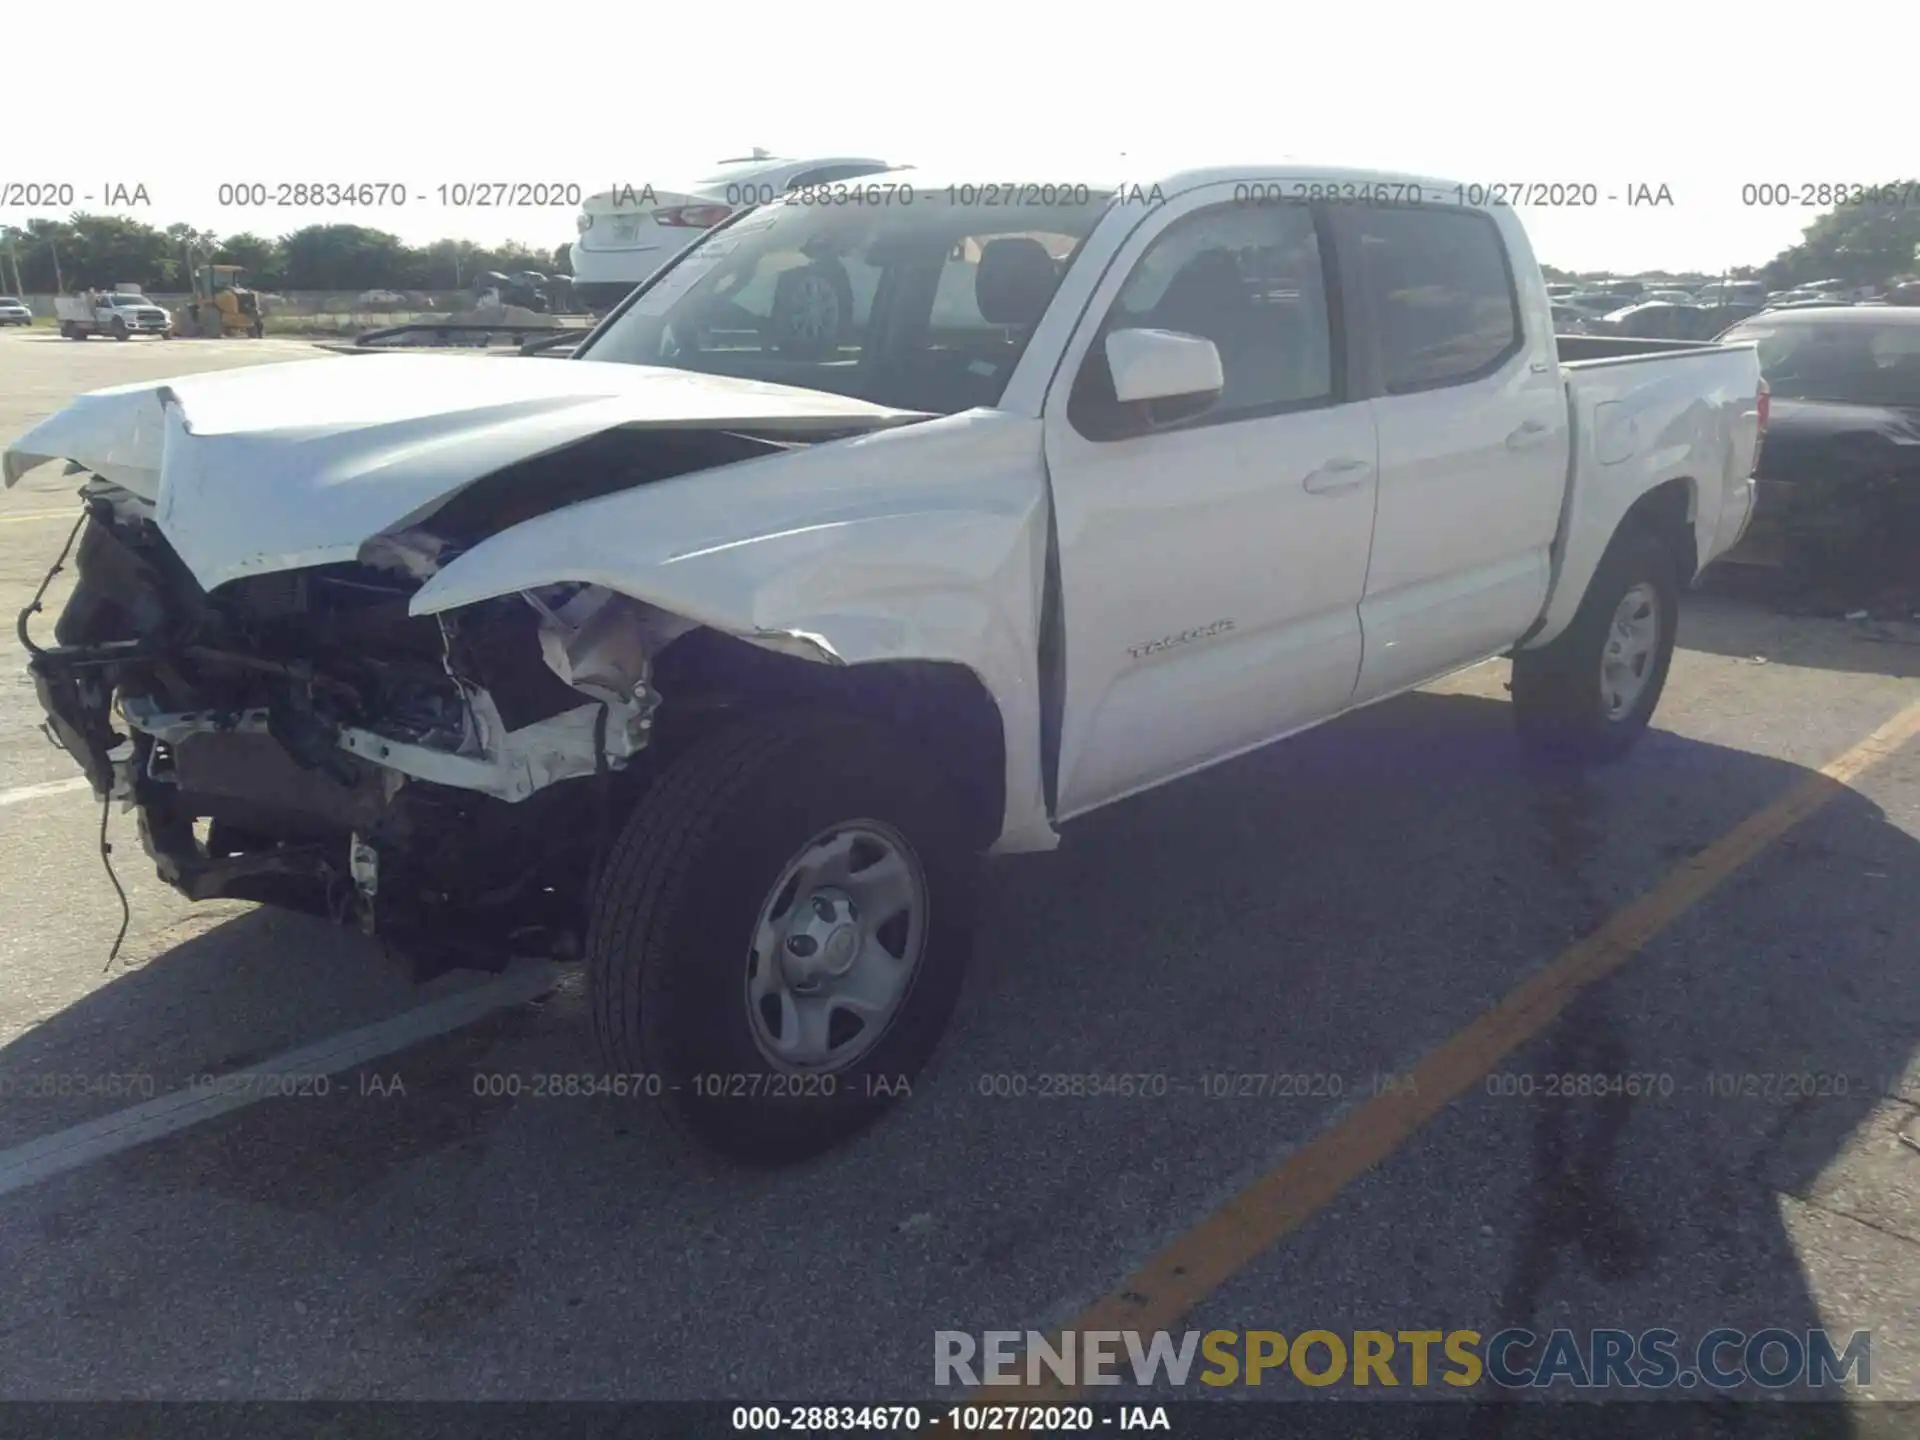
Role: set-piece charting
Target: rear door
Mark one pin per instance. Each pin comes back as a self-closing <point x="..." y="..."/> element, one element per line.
<point x="1210" y="572"/>
<point x="1472" y="422"/>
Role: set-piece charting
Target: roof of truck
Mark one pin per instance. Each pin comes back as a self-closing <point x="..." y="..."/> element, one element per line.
<point x="1105" y="180"/>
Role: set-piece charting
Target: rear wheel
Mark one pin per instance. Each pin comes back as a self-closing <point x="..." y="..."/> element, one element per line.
<point x="778" y="938"/>
<point x="1590" y="694"/>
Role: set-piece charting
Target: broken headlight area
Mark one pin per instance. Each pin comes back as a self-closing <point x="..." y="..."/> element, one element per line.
<point x="299" y="738"/>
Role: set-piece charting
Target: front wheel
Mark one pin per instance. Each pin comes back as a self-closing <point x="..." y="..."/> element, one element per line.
<point x="119" y="329"/>
<point x="1590" y="694"/>
<point x="777" y="939"/>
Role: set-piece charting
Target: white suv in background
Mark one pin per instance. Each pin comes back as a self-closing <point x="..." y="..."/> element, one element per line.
<point x="629" y="232"/>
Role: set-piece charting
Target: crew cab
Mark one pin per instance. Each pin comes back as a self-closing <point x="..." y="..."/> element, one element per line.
<point x="119" y="313"/>
<point x="721" y="652"/>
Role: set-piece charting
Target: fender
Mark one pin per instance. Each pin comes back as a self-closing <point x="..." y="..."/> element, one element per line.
<point x="1640" y="423"/>
<point x="924" y="543"/>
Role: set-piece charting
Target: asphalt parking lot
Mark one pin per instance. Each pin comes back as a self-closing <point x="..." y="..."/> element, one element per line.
<point x="1337" y="907"/>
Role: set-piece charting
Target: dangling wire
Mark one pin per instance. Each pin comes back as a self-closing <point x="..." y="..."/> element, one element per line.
<point x="21" y="628"/>
<point x="33" y="605"/>
<point x="106" y="860"/>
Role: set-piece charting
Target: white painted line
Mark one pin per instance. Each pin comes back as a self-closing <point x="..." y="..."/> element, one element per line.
<point x="68" y="515"/>
<point x="44" y="789"/>
<point x="155" y="1119"/>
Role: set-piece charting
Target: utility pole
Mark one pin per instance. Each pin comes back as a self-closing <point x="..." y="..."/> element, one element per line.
<point x="59" y="284"/>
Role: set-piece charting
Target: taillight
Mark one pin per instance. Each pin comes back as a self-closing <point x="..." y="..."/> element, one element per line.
<point x="692" y="217"/>
<point x="1760" y="434"/>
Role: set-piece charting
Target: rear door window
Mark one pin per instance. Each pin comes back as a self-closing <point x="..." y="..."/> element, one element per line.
<point x="1439" y="292"/>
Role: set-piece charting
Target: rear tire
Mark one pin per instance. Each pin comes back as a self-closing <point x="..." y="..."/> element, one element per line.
<point x="694" y="916"/>
<point x="1590" y="694"/>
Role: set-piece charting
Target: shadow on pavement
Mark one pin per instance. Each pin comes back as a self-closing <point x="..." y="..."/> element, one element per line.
<point x="1337" y="904"/>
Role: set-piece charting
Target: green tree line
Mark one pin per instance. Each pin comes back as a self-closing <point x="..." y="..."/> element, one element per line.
<point x="105" y="250"/>
<point x="1865" y="243"/>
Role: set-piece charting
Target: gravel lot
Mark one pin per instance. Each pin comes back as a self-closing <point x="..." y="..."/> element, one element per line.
<point x="1337" y="906"/>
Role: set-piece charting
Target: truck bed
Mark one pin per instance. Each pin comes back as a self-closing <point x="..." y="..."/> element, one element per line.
<point x="1637" y="425"/>
<point x="1596" y="349"/>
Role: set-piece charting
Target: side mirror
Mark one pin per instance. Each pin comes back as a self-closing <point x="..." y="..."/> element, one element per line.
<point x="1171" y="376"/>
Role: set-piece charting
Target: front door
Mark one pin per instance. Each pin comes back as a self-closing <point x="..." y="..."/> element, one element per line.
<point x="1210" y="572"/>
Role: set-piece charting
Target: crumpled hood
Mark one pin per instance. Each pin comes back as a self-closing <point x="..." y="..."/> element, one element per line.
<point x="281" y="467"/>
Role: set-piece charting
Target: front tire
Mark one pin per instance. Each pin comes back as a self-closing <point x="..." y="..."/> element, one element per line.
<point x="1590" y="694"/>
<point x="780" y="932"/>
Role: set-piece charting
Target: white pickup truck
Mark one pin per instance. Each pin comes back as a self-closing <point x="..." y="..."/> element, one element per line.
<point x="723" y="654"/>
<point x="119" y="313"/>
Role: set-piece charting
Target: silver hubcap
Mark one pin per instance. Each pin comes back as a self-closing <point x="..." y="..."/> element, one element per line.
<point x="1632" y="641"/>
<point x="836" y="947"/>
<point x="816" y="310"/>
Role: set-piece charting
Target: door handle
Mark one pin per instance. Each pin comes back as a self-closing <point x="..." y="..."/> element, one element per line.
<point x="1337" y="476"/>
<point x="1526" y="435"/>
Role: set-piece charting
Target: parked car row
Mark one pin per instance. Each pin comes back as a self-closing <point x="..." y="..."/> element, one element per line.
<point x="1675" y="312"/>
<point x="1664" y="314"/>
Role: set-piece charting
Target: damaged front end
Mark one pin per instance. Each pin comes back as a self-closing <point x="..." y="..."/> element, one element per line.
<point x="299" y="738"/>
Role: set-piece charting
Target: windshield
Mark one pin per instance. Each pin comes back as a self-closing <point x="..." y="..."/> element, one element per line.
<point x="9" y="300"/>
<point x="128" y="300"/>
<point x="1860" y="364"/>
<point x="922" y="305"/>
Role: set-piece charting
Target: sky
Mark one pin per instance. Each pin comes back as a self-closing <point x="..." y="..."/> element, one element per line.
<point x="418" y="96"/>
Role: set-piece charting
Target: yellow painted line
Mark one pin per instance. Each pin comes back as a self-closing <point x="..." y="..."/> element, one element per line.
<point x="1160" y="1292"/>
<point x="71" y="513"/>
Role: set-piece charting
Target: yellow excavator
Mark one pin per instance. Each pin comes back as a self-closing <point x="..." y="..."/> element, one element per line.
<point x="221" y="306"/>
